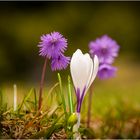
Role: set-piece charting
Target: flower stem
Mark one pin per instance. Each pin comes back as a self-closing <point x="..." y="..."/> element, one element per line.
<point x="70" y="96"/>
<point x="76" y="128"/>
<point x="42" y="84"/>
<point x="89" y="106"/>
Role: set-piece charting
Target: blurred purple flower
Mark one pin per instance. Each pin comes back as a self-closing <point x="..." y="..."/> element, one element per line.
<point x="105" y="48"/>
<point x="52" y="45"/>
<point x="106" y="71"/>
<point x="60" y="62"/>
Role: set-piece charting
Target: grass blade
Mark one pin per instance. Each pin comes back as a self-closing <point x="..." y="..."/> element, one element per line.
<point x="1" y="98"/>
<point x="35" y="98"/>
<point x="70" y="99"/>
<point x="62" y="95"/>
<point x="48" y="132"/>
<point x="25" y="99"/>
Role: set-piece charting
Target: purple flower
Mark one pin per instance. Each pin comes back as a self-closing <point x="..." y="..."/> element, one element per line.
<point x="59" y="62"/>
<point x="106" y="71"/>
<point x="105" y="48"/>
<point x="52" y="45"/>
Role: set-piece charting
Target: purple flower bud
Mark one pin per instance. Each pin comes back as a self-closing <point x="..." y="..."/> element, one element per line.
<point x="106" y="71"/>
<point x="59" y="62"/>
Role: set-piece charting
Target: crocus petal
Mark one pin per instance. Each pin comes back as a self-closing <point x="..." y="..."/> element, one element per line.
<point x="83" y="70"/>
<point x="94" y="71"/>
<point x="80" y="67"/>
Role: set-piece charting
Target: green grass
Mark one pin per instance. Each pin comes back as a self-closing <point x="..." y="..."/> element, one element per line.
<point x="115" y="107"/>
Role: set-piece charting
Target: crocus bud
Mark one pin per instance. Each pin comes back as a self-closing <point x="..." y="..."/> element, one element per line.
<point x="72" y="119"/>
<point x="83" y="70"/>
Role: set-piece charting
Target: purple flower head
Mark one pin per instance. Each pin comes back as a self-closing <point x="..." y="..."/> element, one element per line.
<point x="52" y="45"/>
<point x="60" y="62"/>
<point x="106" y="71"/>
<point x="105" y="48"/>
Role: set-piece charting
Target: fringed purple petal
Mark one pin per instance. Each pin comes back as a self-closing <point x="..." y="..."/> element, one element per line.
<point x="105" y="48"/>
<point x="52" y="45"/>
<point x="60" y="62"/>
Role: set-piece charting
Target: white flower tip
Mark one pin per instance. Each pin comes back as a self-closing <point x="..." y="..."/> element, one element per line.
<point x="95" y="68"/>
<point x="96" y="60"/>
<point x="78" y="51"/>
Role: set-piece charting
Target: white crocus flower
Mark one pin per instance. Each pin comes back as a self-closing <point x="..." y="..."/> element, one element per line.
<point x="83" y="70"/>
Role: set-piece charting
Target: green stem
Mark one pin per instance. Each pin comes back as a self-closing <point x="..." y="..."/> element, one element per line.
<point x="35" y="98"/>
<point x="70" y="96"/>
<point x="62" y="95"/>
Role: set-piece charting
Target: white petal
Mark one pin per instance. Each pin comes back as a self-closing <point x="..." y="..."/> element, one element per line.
<point x="80" y="67"/>
<point x="94" y="70"/>
<point x="90" y="75"/>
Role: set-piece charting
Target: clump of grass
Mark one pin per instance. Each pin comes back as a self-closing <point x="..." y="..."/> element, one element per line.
<point x="119" y="120"/>
<point x="29" y="122"/>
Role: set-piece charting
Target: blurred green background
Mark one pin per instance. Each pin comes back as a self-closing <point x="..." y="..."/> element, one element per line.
<point x="22" y="24"/>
